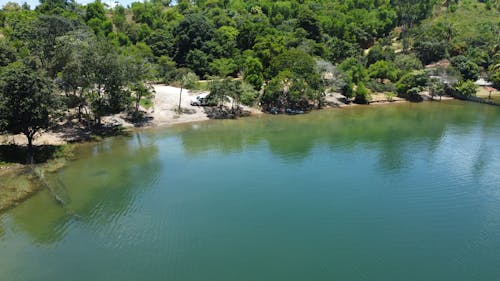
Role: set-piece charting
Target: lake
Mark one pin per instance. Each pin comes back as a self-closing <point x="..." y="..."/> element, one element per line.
<point x="399" y="192"/>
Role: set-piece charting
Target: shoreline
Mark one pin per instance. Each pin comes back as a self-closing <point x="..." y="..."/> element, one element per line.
<point x="19" y="184"/>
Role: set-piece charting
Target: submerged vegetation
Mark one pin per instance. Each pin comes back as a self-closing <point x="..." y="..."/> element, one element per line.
<point x="88" y="61"/>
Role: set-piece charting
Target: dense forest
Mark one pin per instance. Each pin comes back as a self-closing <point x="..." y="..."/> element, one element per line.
<point x="99" y="60"/>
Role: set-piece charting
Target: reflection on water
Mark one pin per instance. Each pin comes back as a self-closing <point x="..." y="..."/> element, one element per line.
<point x="403" y="192"/>
<point x="122" y="171"/>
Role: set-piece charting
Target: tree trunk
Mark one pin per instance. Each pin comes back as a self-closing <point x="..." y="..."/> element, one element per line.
<point x="137" y="103"/>
<point x="180" y="99"/>
<point x="29" y="155"/>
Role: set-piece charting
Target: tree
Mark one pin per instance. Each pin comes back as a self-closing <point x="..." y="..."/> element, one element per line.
<point x="430" y="51"/>
<point x="198" y="61"/>
<point x="377" y="53"/>
<point x="290" y="90"/>
<point x="192" y="33"/>
<point x="188" y="81"/>
<point x="223" y="67"/>
<point x="466" y="88"/>
<point x="339" y="50"/>
<point x="353" y="70"/>
<point x="408" y="62"/>
<point x="436" y="88"/>
<point x="221" y="90"/>
<point x="415" y="79"/>
<point x="410" y="12"/>
<point x="166" y="69"/>
<point x="348" y="90"/>
<point x="253" y="72"/>
<point x="294" y="60"/>
<point x="382" y="70"/>
<point x="494" y="74"/>
<point x="248" y="94"/>
<point x="307" y="20"/>
<point x="362" y="95"/>
<point x="141" y="91"/>
<point x="8" y="53"/>
<point x="29" y="102"/>
<point x="468" y="69"/>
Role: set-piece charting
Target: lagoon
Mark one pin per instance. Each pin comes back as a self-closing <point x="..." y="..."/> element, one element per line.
<point x="401" y="192"/>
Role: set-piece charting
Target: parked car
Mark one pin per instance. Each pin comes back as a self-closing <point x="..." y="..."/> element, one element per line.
<point x="200" y="100"/>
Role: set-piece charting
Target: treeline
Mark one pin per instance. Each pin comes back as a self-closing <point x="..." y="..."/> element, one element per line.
<point x="288" y="53"/>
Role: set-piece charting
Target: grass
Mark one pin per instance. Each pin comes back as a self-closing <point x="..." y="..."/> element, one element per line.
<point x="146" y="103"/>
<point x="471" y="20"/>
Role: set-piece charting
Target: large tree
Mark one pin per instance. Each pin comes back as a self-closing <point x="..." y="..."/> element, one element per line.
<point x="28" y="102"/>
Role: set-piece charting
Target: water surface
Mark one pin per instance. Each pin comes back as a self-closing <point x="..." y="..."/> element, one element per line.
<point x="403" y="192"/>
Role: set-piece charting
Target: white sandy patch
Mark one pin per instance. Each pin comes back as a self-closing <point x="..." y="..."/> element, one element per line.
<point x="166" y="103"/>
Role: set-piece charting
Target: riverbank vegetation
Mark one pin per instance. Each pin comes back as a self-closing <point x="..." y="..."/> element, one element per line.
<point x="67" y="63"/>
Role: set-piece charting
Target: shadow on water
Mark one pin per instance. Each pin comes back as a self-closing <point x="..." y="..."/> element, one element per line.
<point x="100" y="189"/>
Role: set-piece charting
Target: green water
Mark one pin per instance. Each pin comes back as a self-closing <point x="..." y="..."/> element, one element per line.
<point x="403" y="192"/>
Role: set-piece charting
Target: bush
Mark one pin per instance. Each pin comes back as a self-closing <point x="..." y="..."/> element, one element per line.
<point x="347" y="90"/>
<point x="467" y="68"/>
<point x="362" y="95"/>
<point x="430" y="51"/>
<point x="376" y="86"/>
<point x="407" y="62"/>
<point x="416" y="79"/>
<point x="466" y="88"/>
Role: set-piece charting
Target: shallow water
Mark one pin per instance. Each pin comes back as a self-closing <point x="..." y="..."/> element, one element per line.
<point x="402" y="192"/>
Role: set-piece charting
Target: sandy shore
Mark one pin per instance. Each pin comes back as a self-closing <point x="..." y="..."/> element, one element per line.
<point x="166" y="104"/>
<point x="164" y="113"/>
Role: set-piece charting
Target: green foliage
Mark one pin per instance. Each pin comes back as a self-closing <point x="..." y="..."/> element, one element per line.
<point x="248" y="94"/>
<point x="253" y="72"/>
<point x="354" y="71"/>
<point x="100" y="56"/>
<point x="198" y="61"/>
<point x="468" y="69"/>
<point x="379" y="53"/>
<point x="406" y="63"/>
<point x="289" y="90"/>
<point x="161" y="42"/>
<point x="8" y="53"/>
<point x="142" y="92"/>
<point x="436" y="87"/>
<point x="390" y="96"/>
<point x="430" y="51"/>
<point x="382" y="70"/>
<point x="348" y="90"/>
<point x="494" y="74"/>
<point x="95" y="10"/>
<point x="380" y="87"/>
<point x="166" y="70"/>
<point x="223" y="67"/>
<point x="362" y="94"/>
<point x="466" y="88"/>
<point x="416" y="80"/>
<point x="295" y="61"/>
<point x="339" y="50"/>
<point x="222" y="90"/>
<point x="28" y="101"/>
<point x="471" y="30"/>
<point x="307" y="20"/>
<point x="192" y="34"/>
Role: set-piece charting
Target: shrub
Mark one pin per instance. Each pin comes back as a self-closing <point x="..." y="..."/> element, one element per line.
<point x="466" y="88"/>
<point x="362" y="95"/>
